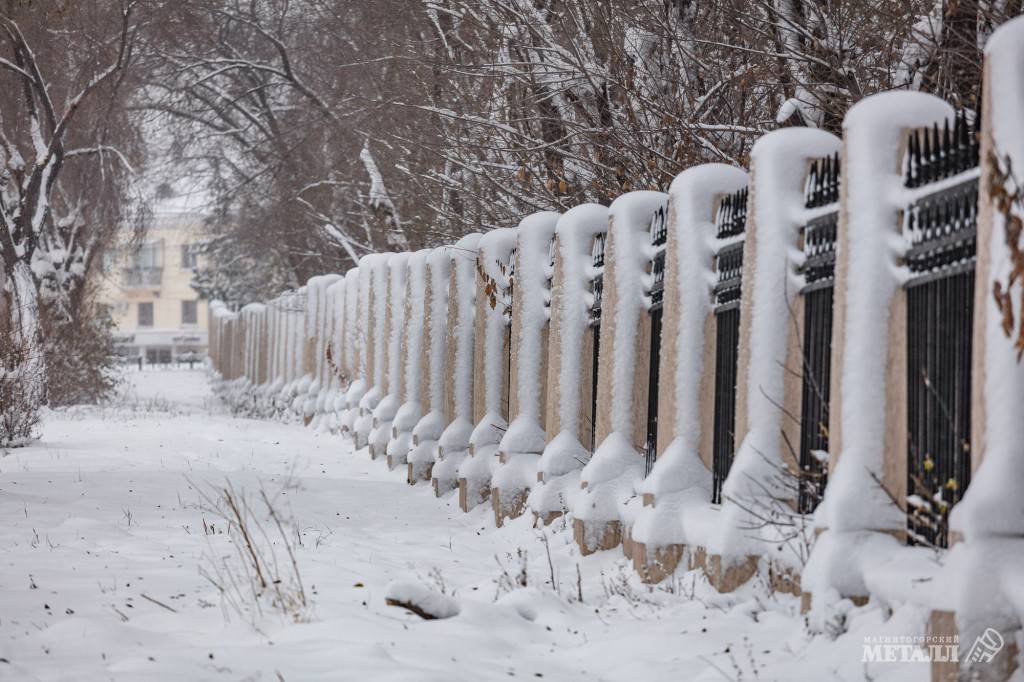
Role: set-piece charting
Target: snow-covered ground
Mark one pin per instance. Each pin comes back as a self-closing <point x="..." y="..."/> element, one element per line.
<point x="104" y="541"/>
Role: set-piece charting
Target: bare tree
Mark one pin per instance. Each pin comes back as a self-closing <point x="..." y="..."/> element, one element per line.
<point x="65" y="172"/>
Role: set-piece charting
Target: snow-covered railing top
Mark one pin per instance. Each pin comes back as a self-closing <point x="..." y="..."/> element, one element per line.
<point x="822" y="188"/>
<point x="940" y="220"/>
<point x="659" y="238"/>
<point x="597" y="275"/>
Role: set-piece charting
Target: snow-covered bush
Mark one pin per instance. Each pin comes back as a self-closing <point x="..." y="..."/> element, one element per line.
<point x="20" y="399"/>
<point x="81" y="362"/>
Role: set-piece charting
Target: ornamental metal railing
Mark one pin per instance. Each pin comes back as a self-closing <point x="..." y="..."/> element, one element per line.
<point x="659" y="240"/>
<point x="934" y="154"/>
<point x="821" y="194"/>
<point x="597" y="283"/>
<point x="731" y="222"/>
<point x="940" y="226"/>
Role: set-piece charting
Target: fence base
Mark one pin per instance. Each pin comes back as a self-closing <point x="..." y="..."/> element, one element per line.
<point x="654" y="564"/>
<point x="593" y="536"/>
<point x="511" y="506"/>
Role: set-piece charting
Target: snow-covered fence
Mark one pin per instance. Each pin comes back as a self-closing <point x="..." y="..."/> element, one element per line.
<point x="432" y="367"/>
<point x="829" y="318"/>
<point x="391" y="345"/>
<point x="608" y="480"/>
<point x="413" y="332"/>
<point x="678" y="489"/>
<point x="572" y="357"/>
<point x="522" y="444"/>
<point x="374" y="342"/>
<point x="459" y="385"/>
<point x="983" y="578"/>
<point x="492" y="365"/>
<point x="761" y="484"/>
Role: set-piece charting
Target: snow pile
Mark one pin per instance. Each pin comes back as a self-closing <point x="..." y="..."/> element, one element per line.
<point x="412" y="351"/>
<point x="564" y="455"/>
<point x="525" y="439"/>
<point x="854" y="502"/>
<point x="453" y="443"/>
<point x="611" y="476"/>
<point x="421" y="600"/>
<point x="394" y="332"/>
<point x="495" y="263"/>
<point x="680" y="480"/>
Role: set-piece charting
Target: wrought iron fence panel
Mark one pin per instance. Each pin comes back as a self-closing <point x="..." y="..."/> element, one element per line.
<point x="814" y="410"/>
<point x="941" y="227"/>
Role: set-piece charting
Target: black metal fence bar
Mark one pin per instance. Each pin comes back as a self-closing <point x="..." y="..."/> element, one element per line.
<point x="818" y="269"/>
<point x="654" y="368"/>
<point x="597" y="288"/>
<point x="939" y="338"/>
<point x="822" y="186"/>
<point x="817" y="359"/>
<point x="731" y="219"/>
<point x="659" y="238"/>
<point x="727" y="341"/>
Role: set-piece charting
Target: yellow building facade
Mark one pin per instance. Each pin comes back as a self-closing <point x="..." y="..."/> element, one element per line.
<point x="158" y="316"/>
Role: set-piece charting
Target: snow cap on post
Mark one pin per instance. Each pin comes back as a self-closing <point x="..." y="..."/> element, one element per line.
<point x="532" y="274"/>
<point x="576" y="231"/>
<point x="629" y="219"/>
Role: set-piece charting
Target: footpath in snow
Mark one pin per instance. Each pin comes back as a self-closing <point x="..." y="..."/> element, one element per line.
<point x="111" y="546"/>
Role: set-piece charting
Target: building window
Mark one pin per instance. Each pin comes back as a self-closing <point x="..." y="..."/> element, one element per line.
<point x="189" y="257"/>
<point x="145" y="266"/>
<point x="188" y="312"/>
<point x="145" y="314"/>
<point x="158" y="356"/>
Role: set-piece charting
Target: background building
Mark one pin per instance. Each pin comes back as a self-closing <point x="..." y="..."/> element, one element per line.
<point x="157" y="313"/>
